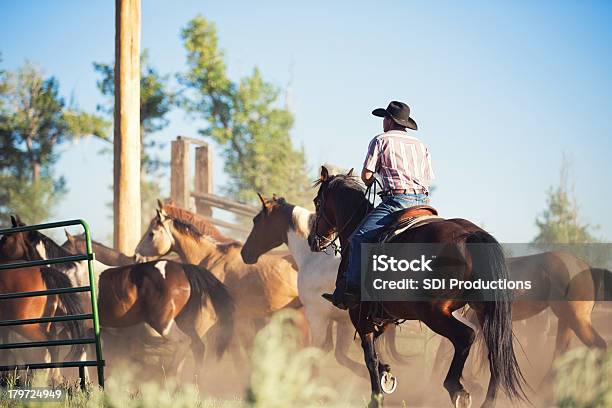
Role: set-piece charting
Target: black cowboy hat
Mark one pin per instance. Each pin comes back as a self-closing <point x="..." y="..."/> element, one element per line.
<point x="399" y="112"/>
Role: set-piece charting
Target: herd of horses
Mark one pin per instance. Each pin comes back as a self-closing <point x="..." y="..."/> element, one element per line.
<point x="221" y="292"/>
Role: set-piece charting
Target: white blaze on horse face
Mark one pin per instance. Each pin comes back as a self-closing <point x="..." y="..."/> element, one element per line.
<point x="40" y="248"/>
<point x="161" y="267"/>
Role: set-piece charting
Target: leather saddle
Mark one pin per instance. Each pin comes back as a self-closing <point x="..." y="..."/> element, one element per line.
<point x="408" y="218"/>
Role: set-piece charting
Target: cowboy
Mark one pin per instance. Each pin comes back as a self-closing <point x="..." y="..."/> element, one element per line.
<point x="403" y="164"/>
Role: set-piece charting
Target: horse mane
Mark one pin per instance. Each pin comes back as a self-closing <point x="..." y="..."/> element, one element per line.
<point x="52" y="250"/>
<point x="348" y="187"/>
<point x="226" y="246"/>
<point x="185" y="226"/>
<point x="341" y="181"/>
<point x="301" y="220"/>
<point x="201" y="224"/>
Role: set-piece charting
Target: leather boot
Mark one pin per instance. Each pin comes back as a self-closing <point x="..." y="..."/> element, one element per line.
<point x="345" y="296"/>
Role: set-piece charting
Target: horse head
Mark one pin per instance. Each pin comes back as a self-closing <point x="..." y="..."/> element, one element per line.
<point x="75" y="244"/>
<point x="340" y="204"/>
<point x="269" y="230"/>
<point x="157" y="241"/>
<point x="13" y="246"/>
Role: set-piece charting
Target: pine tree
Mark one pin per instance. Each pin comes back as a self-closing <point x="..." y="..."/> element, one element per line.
<point x="34" y="122"/>
<point x="561" y="222"/>
<point x="245" y="120"/>
<point x="560" y="226"/>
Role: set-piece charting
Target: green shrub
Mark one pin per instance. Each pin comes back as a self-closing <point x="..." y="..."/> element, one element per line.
<point x="283" y="373"/>
<point x="582" y="379"/>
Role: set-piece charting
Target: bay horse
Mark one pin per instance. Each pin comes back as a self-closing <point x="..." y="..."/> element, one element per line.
<point x="37" y="278"/>
<point x="280" y="222"/>
<point x="163" y="292"/>
<point x="75" y="245"/>
<point x="340" y="206"/>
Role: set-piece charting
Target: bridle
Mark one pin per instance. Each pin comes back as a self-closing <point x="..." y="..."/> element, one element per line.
<point x="323" y="242"/>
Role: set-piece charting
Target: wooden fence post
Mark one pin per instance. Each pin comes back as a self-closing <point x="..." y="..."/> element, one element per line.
<point x="126" y="202"/>
<point x="179" y="173"/>
<point x="203" y="177"/>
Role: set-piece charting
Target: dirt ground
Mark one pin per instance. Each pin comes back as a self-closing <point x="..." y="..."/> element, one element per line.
<point x="418" y="385"/>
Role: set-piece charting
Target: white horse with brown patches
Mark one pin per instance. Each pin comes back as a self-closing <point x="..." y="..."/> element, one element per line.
<point x="280" y="223"/>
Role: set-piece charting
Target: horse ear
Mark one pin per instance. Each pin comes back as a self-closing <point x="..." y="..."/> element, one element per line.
<point x="161" y="214"/>
<point x="69" y="236"/>
<point x="264" y="203"/>
<point x="160" y="205"/>
<point x="350" y="172"/>
<point x="324" y="173"/>
<point x="262" y="199"/>
<point x="16" y="221"/>
<point x="274" y="197"/>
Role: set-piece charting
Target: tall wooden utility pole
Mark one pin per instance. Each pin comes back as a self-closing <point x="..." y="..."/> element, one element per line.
<point x="126" y="204"/>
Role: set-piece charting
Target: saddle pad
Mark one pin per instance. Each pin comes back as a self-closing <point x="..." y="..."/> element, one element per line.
<point x="409" y="223"/>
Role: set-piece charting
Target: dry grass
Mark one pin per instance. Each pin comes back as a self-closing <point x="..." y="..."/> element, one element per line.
<point x="283" y="375"/>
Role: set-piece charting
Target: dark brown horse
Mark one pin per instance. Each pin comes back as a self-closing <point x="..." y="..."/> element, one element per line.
<point x="36" y="278"/>
<point x="340" y="206"/>
<point x="76" y="244"/>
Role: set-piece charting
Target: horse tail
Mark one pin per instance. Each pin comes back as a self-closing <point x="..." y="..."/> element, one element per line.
<point x="71" y="305"/>
<point x="205" y="285"/>
<point x="602" y="278"/>
<point x="489" y="264"/>
<point x="390" y="344"/>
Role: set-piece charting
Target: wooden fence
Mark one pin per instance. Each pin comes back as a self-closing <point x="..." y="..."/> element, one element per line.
<point x="199" y="195"/>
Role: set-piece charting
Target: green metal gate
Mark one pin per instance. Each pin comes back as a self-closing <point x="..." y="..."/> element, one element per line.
<point x="89" y="256"/>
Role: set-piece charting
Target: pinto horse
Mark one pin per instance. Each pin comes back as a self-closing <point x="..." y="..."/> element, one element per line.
<point x="280" y="222"/>
<point x="340" y="206"/>
<point x="37" y="278"/>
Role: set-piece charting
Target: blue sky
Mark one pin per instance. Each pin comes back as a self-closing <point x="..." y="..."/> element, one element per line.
<point x="499" y="91"/>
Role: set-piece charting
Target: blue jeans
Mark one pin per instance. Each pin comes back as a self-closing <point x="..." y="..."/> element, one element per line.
<point x="372" y="225"/>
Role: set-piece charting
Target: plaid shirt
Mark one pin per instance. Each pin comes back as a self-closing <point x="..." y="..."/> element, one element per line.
<point x="401" y="160"/>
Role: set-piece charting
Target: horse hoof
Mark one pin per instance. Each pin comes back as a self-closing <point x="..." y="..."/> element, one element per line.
<point x="388" y="382"/>
<point x="463" y="399"/>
